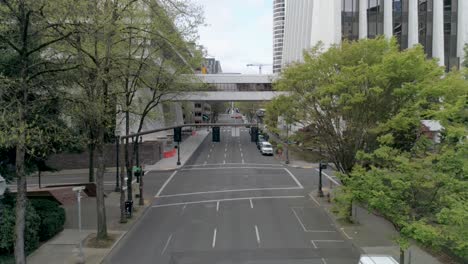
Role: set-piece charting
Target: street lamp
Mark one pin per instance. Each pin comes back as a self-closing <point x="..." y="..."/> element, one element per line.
<point x="117" y="151"/>
<point x="78" y="190"/>
<point x="322" y="166"/>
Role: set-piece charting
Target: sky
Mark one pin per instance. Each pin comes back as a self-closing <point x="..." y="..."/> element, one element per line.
<point x="238" y="32"/>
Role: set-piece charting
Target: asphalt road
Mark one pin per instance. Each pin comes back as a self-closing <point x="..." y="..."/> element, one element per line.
<point x="230" y="204"/>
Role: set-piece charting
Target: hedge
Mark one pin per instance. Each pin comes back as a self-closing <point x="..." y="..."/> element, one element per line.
<point x="52" y="217"/>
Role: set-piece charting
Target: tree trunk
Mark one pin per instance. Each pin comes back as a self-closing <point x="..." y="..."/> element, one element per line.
<point x="91" y="148"/>
<point x="123" y="217"/>
<point x="402" y="256"/>
<point x="100" y="202"/>
<point x="21" y="201"/>
<point x="127" y="159"/>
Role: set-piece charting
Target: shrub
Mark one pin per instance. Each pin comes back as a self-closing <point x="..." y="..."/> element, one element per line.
<point x="7" y="229"/>
<point x="52" y="217"/>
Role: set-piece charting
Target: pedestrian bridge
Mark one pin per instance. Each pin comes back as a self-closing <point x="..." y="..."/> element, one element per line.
<point x="222" y="96"/>
<point x="231" y="87"/>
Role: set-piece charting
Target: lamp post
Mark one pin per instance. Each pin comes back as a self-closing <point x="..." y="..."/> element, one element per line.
<point x="178" y="153"/>
<point x="322" y="166"/>
<point x="287" y="144"/>
<point x="117" y="151"/>
<point x="81" y="257"/>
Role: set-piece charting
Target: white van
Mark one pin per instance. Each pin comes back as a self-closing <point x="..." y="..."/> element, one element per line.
<point x="377" y="259"/>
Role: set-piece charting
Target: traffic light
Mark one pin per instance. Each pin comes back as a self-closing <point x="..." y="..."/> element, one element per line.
<point x="177" y="134"/>
<point x="216" y="135"/>
<point x="254" y="134"/>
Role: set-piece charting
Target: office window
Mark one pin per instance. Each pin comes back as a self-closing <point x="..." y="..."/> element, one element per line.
<point x="375" y="18"/>
<point x="350" y="19"/>
<point x="450" y="33"/>
<point x="425" y="27"/>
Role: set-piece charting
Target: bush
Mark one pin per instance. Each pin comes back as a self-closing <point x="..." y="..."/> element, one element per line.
<point x="7" y="229"/>
<point x="52" y="217"/>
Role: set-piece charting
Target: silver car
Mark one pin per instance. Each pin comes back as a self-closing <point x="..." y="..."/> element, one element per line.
<point x="266" y="148"/>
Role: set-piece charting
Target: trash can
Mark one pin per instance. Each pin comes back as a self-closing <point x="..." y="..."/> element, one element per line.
<point x="129" y="208"/>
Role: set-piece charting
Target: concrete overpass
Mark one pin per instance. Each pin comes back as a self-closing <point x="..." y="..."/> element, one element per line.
<point x="231" y="87"/>
<point x="223" y="96"/>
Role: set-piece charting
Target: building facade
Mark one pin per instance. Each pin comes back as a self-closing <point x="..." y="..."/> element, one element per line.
<point x="278" y="33"/>
<point x="440" y="26"/>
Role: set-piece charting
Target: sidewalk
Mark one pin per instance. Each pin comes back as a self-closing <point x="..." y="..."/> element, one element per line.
<point x="187" y="148"/>
<point x="63" y="248"/>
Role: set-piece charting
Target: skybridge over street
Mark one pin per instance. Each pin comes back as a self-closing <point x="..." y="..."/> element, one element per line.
<point x="232" y="87"/>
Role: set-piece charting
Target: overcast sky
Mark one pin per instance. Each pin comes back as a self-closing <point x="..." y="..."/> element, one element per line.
<point x="238" y="32"/>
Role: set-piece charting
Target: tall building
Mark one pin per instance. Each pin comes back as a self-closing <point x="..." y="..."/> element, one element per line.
<point x="441" y="26"/>
<point x="278" y="33"/>
<point x="212" y="66"/>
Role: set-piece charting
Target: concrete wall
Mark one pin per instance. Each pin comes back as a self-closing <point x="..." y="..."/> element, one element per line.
<point x="150" y="153"/>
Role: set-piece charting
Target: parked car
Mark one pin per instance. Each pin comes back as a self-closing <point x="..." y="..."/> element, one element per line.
<point x="260" y="140"/>
<point x="266" y="148"/>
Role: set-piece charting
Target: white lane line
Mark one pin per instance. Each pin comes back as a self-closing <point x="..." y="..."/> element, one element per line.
<point x="323" y="261"/>
<point x="217" y="168"/>
<point x="299" y="220"/>
<point x="225" y="150"/>
<point x="167" y="244"/>
<point x="329" y="177"/>
<point x="253" y="164"/>
<point x="294" y="178"/>
<point x="251" y="203"/>
<point x="205" y="163"/>
<point x="328" y="241"/>
<point x="214" y="238"/>
<point x="224" y="161"/>
<point x="307" y="230"/>
<point x="258" y="235"/>
<point x="313" y="243"/>
<point x="347" y="236"/>
<point x="242" y="155"/>
<point x="211" y="150"/>
<point x="225" y="155"/>
<point x="183" y="209"/>
<point x="231" y="199"/>
<point x="312" y="197"/>
<point x="208" y="155"/>
<point x="234" y="190"/>
<point x="164" y="185"/>
<point x="242" y="161"/>
<point x="217" y="206"/>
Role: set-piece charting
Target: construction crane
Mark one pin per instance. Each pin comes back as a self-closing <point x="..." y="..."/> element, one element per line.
<point x="259" y="65"/>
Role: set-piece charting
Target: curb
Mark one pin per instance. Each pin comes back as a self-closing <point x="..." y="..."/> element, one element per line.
<point x="137" y="221"/>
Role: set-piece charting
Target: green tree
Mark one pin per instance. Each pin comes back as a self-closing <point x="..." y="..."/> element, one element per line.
<point x="344" y="94"/>
<point x="422" y="189"/>
<point x="29" y="75"/>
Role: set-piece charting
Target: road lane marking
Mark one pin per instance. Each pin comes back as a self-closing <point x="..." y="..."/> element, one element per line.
<point x="217" y="168"/>
<point x="242" y="155"/>
<point x="347" y="236"/>
<point x="205" y="163"/>
<point x="217" y="206"/>
<point x="242" y="161"/>
<point x="323" y="260"/>
<point x="224" y="161"/>
<point x="230" y="199"/>
<point x="225" y="150"/>
<point x="312" y="197"/>
<point x="313" y="243"/>
<point x="307" y="230"/>
<point x="251" y="204"/>
<point x="183" y="209"/>
<point x="234" y="190"/>
<point x="208" y="155"/>
<point x="258" y="235"/>
<point x="328" y="241"/>
<point x="214" y="238"/>
<point x="219" y="164"/>
<point x="329" y="177"/>
<point x="164" y="185"/>
<point x="167" y="244"/>
<point x="294" y="178"/>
